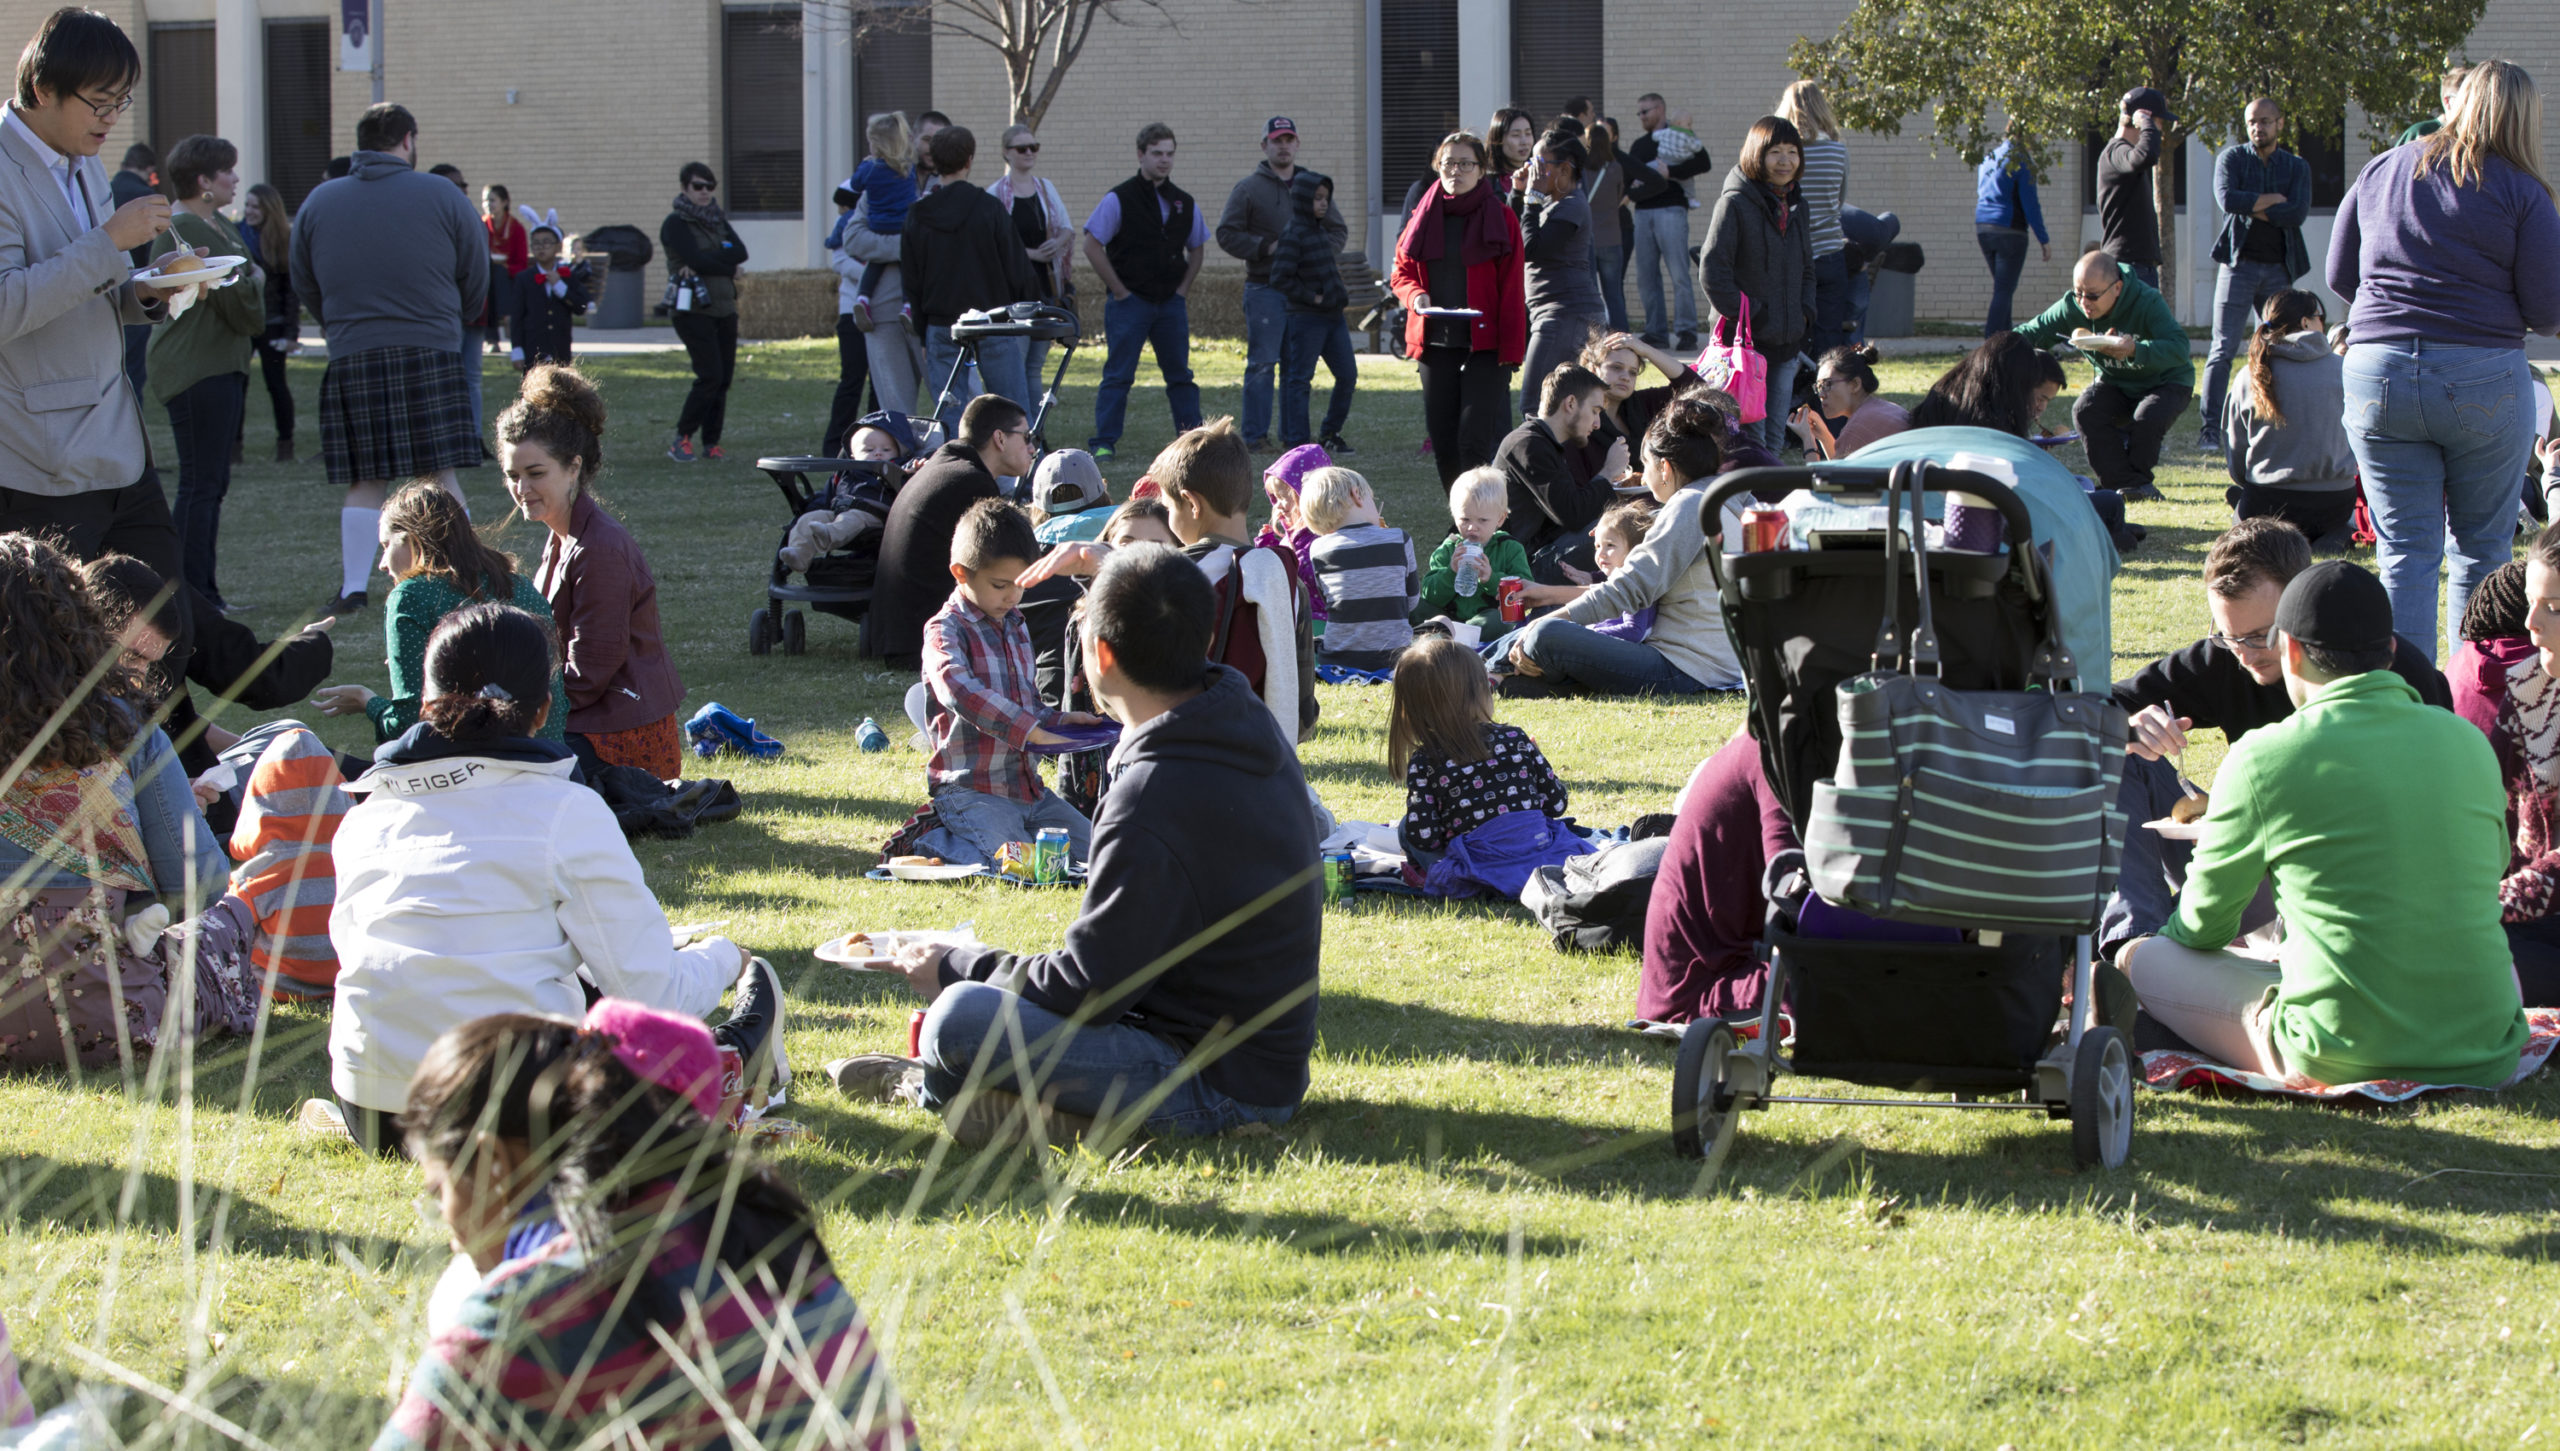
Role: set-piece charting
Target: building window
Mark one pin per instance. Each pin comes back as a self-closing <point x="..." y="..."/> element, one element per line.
<point x="760" y="110"/>
<point x="1418" y="88"/>
<point x="1555" y="56"/>
<point x="894" y="69"/>
<point x="2326" y="151"/>
<point x="181" y="73"/>
<point x="299" y="55"/>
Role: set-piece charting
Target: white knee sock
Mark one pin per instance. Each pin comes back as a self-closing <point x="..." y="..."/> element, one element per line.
<point x="357" y="531"/>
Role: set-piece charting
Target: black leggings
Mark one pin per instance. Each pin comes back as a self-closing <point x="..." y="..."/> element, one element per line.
<point x="374" y="1130"/>
<point x="1466" y="408"/>
<point x="279" y="391"/>
<point x="853" y="373"/>
<point x="712" y="344"/>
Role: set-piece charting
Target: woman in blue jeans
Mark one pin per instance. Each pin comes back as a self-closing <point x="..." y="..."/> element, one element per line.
<point x="2005" y="210"/>
<point x="1687" y="651"/>
<point x="2450" y="250"/>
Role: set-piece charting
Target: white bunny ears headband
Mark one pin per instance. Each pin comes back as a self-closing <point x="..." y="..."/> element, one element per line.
<point x="533" y="219"/>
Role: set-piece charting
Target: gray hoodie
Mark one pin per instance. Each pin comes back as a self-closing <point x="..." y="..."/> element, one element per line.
<point x="2309" y="450"/>
<point x="388" y="257"/>
<point x="1258" y="211"/>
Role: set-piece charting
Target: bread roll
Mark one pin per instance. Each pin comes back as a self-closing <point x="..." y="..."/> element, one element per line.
<point x="183" y="261"/>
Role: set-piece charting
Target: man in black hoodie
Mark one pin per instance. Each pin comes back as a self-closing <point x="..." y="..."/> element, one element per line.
<point x="1202" y="916"/>
<point x="960" y="253"/>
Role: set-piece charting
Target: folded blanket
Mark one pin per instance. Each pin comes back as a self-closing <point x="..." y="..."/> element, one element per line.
<point x="2166" y="1071"/>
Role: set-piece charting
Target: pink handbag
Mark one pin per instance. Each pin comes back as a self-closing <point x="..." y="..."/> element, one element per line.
<point x="1737" y="367"/>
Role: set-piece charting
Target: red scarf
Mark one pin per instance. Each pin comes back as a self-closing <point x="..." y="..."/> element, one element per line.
<point x="1485" y="237"/>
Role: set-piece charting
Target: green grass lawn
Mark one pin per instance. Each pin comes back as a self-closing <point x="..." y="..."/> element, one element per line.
<point x="1474" y="1233"/>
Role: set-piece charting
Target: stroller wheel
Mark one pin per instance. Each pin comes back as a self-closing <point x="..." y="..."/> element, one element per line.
<point x="2101" y="1099"/>
<point x="795" y="633"/>
<point x="760" y="633"/>
<point x="1702" y="1105"/>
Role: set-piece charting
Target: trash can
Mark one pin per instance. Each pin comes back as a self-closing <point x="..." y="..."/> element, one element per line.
<point x="1889" y="305"/>
<point x="627" y="252"/>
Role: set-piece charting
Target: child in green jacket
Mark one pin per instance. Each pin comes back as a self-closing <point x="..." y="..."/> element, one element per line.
<point x="1469" y="566"/>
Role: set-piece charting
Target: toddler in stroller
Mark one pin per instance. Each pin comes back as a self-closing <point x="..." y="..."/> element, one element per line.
<point x="853" y="505"/>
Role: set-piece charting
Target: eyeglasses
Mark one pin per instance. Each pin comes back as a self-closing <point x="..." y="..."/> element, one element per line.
<point x="2263" y="640"/>
<point x="1031" y="146"/>
<point x="108" y="110"/>
<point x="1460" y="166"/>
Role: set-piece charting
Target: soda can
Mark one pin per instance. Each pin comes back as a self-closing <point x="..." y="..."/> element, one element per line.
<point x="915" y="1034"/>
<point x="1337" y="876"/>
<point x="1049" y="855"/>
<point x="869" y="736"/>
<point x="1763" y="530"/>
<point x="1510" y="592"/>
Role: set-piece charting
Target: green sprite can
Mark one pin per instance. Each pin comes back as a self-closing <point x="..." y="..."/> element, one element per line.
<point x="1337" y="876"/>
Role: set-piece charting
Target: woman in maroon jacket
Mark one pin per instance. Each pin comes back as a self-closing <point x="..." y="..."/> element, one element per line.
<point x="1461" y="250"/>
<point x="622" y="685"/>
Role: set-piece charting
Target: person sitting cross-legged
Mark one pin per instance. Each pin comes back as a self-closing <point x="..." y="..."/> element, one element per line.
<point x="2381" y="823"/>
<point x="1185" y="993"/>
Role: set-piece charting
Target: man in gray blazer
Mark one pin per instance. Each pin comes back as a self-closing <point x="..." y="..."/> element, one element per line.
<point x="73" y="463"/>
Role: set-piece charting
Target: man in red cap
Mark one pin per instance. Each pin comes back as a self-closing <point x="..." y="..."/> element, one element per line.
<point x="1258" y="211"/>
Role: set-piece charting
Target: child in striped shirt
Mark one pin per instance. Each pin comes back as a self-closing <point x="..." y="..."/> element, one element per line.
<point x="1364" y="569"/>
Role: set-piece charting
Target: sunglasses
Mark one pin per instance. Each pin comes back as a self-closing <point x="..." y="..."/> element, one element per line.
<point x="1031" y="146"/>
<point x="700" y="186"/>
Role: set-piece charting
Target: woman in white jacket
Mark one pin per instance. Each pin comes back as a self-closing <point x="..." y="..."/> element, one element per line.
<point x="475" y="876"/>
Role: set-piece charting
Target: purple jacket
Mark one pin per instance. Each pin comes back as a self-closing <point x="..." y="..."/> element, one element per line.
<point x="2458" y="266"/>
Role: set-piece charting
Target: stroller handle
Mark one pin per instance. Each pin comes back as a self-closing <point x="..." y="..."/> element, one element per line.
<point x="1867" y="479"/>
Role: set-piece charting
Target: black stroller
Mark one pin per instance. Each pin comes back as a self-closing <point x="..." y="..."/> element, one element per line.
<point x="1971" y="1017"/>
<point x="1028" y="320"/>
<point x="837" y="582"/>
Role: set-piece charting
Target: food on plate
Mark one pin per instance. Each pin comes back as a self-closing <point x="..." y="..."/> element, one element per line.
<point x="181" y="261"/>
<point x="2190" y="808"/>
<point x="915" y="861"/>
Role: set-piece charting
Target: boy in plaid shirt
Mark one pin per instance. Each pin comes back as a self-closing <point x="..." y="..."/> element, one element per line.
<point x="983" y="699"/>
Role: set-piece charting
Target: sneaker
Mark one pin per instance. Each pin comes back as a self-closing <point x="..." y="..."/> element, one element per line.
<point x="878" y="1078"/>
<point x="1685" y="343"/>
<point x="862" y="313"/>
<point x="716" y="728"/>
<point x="1655" y="339"/>
<point x="754" y="1027"/>
<point x="2208" y="441"/>
<point x="284" y="450"/>
<point x="1338" y="446"/>
<point x="2143" y="494"/>
<point x="681" y="450"/>
<point x="714" y="453"/>
<point x="344" y="605"/>
<point x="993" y="1118"/>
<point x="1102" y="453"/>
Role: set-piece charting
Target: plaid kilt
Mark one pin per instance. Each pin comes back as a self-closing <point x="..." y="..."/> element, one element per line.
<point x="389" y="415"/>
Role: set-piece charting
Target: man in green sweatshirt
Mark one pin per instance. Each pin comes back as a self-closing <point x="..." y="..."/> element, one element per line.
<point x="2381" y="822"/>
<point x="2146" y="371"/>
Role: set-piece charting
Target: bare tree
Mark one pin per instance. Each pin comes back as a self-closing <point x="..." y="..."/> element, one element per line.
<point x="1038" y="40"/>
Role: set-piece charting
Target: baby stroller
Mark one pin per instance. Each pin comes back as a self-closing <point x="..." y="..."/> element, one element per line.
<point x="837" y="582"/>
<point x="1032" y="320"/>
<point x="1964" y="1012"/>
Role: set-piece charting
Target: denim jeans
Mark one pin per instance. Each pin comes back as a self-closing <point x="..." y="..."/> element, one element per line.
<point x="1266" y="321"/>
<point x="999" y="367"/>
<point x="1313" y="337"/>
<point x="1772" y="430"/>
<point x="1129" y="324"/>
<point x="204" y="419"/>
<point x="1572" y="655"/>
<point x="2006" y="251"/>
<point x="1089" y="1069"/>
<point x="1610" y="265"/>
<point x="2153" y="869"/>
<point x="1862" y="287"/>
<point x="1662" y="243"/>
<point x="1555" y="341"/>
<point x="2238" y="290"/>
<point x="1830" y="302"/>
<point x="2149" y="274"/>
<point x="976" y="823"/>
<point x="2440" y="440"/>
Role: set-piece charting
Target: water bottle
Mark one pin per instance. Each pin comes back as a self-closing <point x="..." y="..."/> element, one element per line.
<point x="869" y="736"/>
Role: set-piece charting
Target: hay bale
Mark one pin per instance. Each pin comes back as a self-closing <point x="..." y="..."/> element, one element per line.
<point x="787" y="303"/>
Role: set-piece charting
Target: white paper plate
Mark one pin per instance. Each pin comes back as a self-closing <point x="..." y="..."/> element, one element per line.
<point x="947" y="872"/>
<point x="873" y="954"/>
<point x="2084" y="339"/>
<point x="2178" y="830"/>
<point x="213" y="270"/>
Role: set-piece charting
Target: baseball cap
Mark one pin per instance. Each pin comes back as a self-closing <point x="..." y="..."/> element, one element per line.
<point x="2146" y="98"/>
<point x="2336" y="606"/>
<point x="1279" y="126"/>
<point x="1067" y="480"/>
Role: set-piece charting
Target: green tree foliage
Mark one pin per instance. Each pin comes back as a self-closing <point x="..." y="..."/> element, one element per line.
<point x="2053" y="69"/>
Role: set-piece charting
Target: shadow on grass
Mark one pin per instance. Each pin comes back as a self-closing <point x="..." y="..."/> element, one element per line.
<point x="38" y="1188"/>
<point x="285" y="1414"/>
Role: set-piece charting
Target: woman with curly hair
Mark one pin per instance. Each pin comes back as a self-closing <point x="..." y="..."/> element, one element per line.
<point x="100" y="841"/>
<point x="440" y="564"/>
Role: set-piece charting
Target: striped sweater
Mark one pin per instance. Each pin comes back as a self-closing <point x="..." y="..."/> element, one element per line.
<point x="1370" y="587"/>
<point x="1824" y="181"/>
<point x="529" y="1362"/>
<point x="289" y="813"/>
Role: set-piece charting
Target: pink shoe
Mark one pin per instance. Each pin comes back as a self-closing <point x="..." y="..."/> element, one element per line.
<point x="862" y="313"/>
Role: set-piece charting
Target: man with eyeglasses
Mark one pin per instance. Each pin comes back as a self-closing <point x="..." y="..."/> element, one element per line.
<point x="2146" y="374"/>
<point x="1258" y="212"/>
<point x="2265" y="194"/>
<point x="2231" y="681"/>
<point x="993" y="441"/>
<point x="72" y="460"/>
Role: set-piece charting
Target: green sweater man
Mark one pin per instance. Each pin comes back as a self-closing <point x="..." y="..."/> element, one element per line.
<point x="2147" y="348"/>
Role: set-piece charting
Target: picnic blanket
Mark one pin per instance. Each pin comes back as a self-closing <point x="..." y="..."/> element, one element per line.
<point x="2167" y="1071"/>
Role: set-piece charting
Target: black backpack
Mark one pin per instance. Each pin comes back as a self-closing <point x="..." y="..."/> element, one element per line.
<point x="1596" y="903"/>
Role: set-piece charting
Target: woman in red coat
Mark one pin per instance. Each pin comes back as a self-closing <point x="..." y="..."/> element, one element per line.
<point x="509" y="254"/>
<point x="1461" y="250"/>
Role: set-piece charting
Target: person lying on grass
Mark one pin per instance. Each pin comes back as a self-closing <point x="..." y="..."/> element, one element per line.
<point x="2231" y="681"/>
<point x="474" y="876"/>
<point x="1185" y="994"/>
<point x="637" y="1275"/>
<point x="2381" y="823"/>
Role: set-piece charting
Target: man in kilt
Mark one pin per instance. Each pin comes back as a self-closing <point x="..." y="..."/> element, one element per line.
<point x="391" y="262"/>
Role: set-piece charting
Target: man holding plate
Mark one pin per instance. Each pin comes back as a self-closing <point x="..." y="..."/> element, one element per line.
<point x="2146" y="371"/>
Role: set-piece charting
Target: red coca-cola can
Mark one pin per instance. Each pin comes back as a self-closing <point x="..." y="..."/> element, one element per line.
<point x="1509" y="593"/>
<point x="1763" y="530"/>
<point x="915" y="1034"/>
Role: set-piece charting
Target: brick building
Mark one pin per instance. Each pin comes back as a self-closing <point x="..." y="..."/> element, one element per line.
<point x="590" y="106"/>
